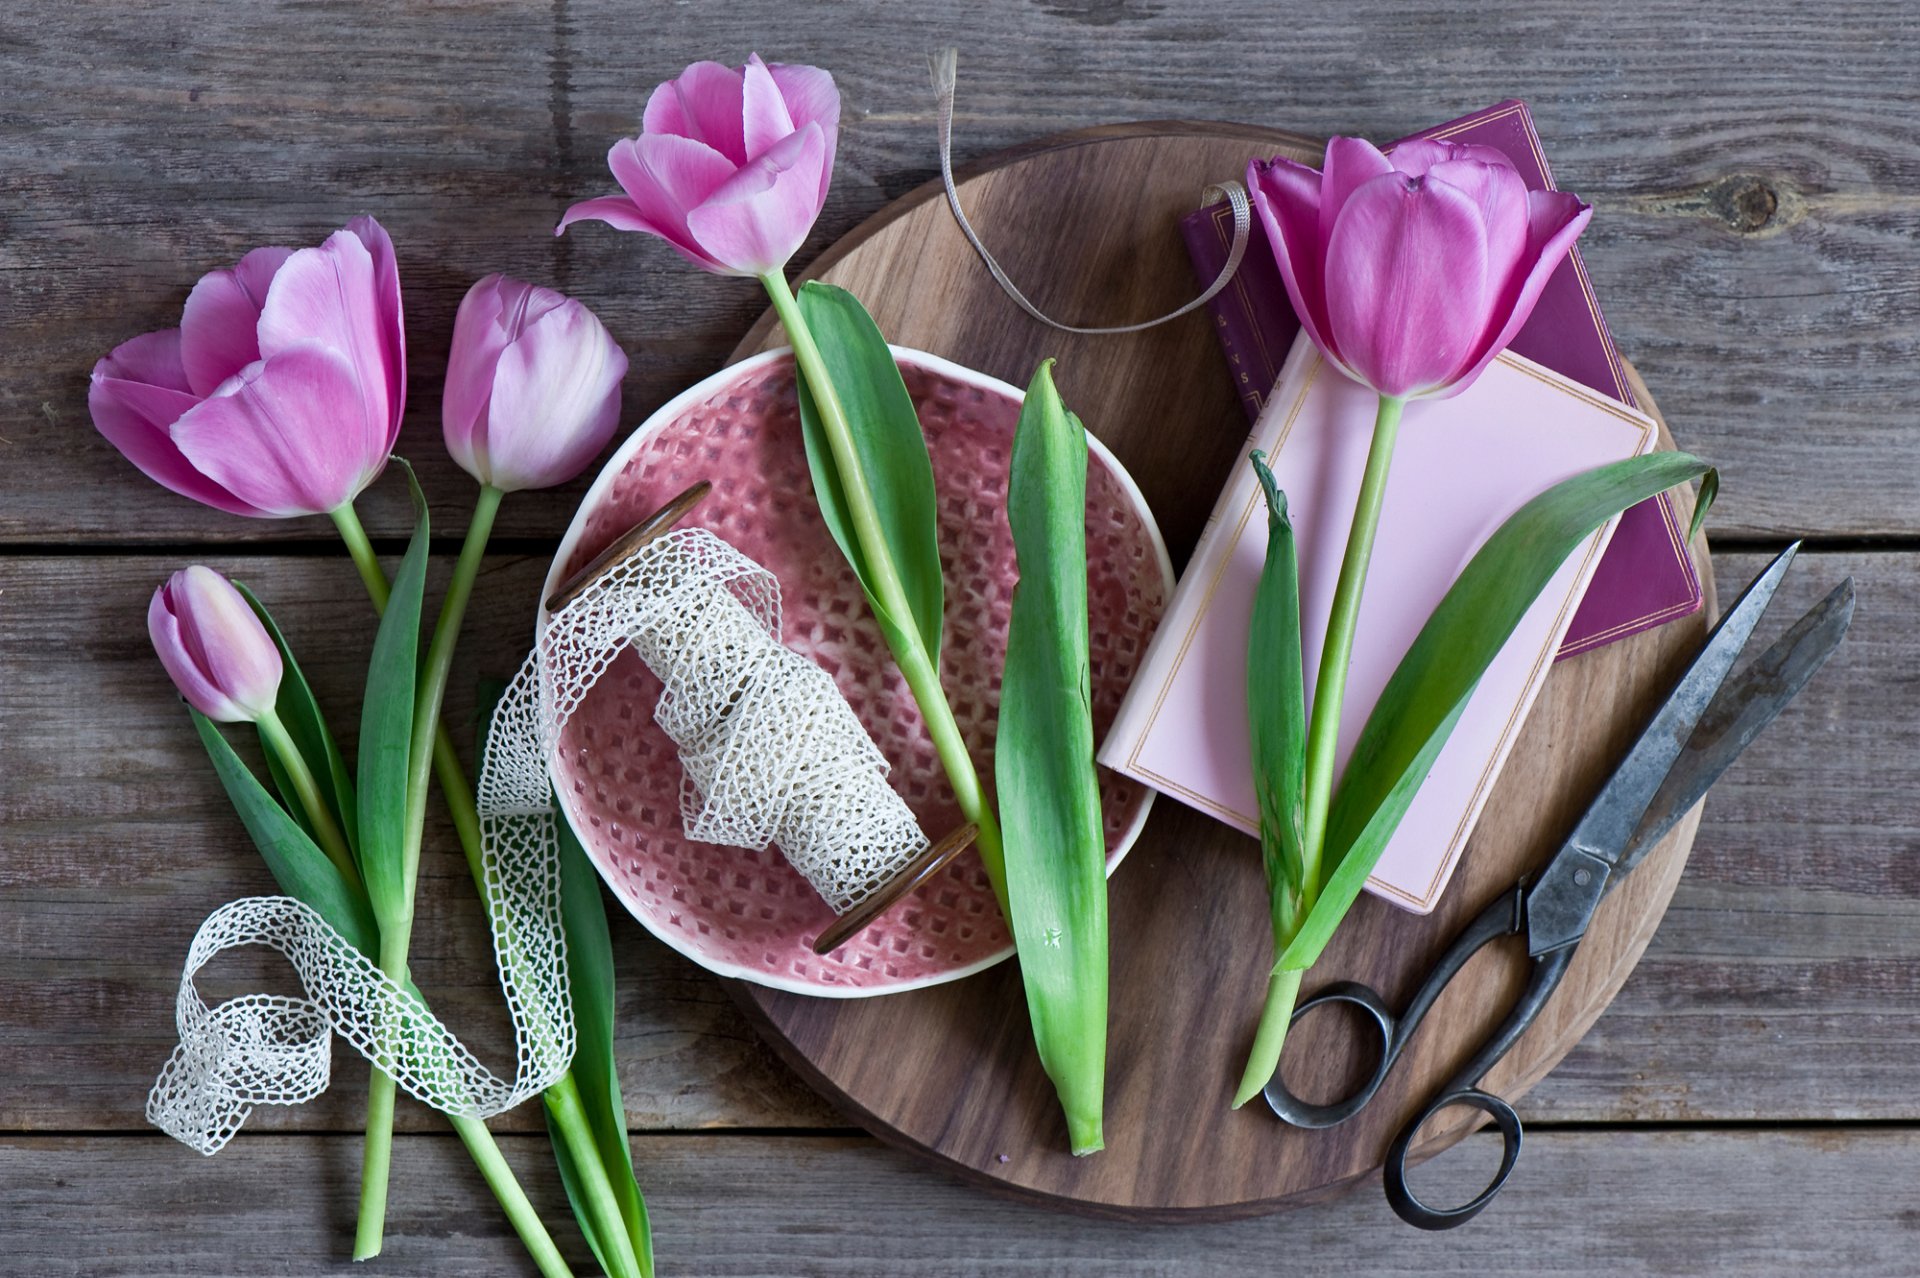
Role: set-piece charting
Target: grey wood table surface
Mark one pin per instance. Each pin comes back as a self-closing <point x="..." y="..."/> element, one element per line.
<point x="1748" y="1104"/>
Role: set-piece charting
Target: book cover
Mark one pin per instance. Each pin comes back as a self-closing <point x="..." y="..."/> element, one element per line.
<point x="1183" y="726"/>
<point x="1647" y="577"/>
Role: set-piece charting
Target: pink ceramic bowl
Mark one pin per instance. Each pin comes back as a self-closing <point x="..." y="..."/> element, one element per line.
<point x="748" y="914"/>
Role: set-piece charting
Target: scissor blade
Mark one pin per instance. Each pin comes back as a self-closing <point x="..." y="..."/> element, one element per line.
<point x="1616" y="812"/>
<point x="1746" y="703"/>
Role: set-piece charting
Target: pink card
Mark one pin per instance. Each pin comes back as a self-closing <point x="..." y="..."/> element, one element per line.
<point x="1462" y="466"/>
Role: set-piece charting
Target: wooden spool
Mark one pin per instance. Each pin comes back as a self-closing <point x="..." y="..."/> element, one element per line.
<point x="1084" y="223"/>
<point x="883" y="898"/>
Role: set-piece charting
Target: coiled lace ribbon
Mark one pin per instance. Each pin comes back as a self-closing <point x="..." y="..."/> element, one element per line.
<point x="945" y="67"/>
<point x="770" y="750"/>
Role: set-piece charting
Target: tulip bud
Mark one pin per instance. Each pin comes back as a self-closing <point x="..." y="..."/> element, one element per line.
<point x="1411" y="271"/>
<point x="731" y="167"/>
<point x="220" y="657"/>
<point x="533" y="385"/>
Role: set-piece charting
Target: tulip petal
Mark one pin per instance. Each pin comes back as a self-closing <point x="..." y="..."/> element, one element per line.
<point x="152" y="359"/>
<point x="479" y="335"/>
<point x="330" y="297"/>
<point x="134" y="416"/>
<point x="1555" y="220"/>
<point x="219" y="327"/>
<point x="705" y="104"/>
<point x="1416" y="156"/>
<point x="1502" y="196"/>
<point x="765" y="119"/>
<point x="666" y="177"/>
<point x="812" y="98"/>
<point x="617" y="211"/>
<point x="1348" y="163"/>
<point x="291" y="435"/>
<point x="393" y="329"/>
<point x="1406" y="275"/>
<point x="1287" y="197"/>
<point x="163" y="628"/>
<point x="563" y="372"/>
<point x="759" y="218"/>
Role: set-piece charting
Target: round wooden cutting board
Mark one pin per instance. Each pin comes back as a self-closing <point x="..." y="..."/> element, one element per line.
<point x="1085" y="224"/>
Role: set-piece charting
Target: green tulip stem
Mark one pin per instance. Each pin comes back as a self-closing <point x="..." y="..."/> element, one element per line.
<point x="326" y="830"/>
<point x="1336" y="651"/>
<point x="1323" y="738"/>
<point x="569" y="1114"/>
<point x="396" y="927"/>
<point x="354" y="533"/>
<point x="919" y="667"/>
<point x="500" y="1179"/>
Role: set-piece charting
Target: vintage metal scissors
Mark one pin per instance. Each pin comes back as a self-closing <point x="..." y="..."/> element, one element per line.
<point x="1701" y="728"/>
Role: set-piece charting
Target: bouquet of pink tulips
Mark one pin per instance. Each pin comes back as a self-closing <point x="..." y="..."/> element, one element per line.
<point x="281" y="395"/>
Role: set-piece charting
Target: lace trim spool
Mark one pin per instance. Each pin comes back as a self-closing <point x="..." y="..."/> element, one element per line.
<point x="772" y="753"/>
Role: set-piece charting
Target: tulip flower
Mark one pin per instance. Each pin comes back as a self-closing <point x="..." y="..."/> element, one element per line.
<point x="1412" y="271"/>
<point x="533" y="386"/>
<point x="1409" y="273"/>
<point x="731" y="166"/>
<point x="280" y="393"/>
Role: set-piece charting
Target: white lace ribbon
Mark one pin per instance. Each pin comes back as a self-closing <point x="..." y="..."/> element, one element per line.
<point x="771" y="752"/>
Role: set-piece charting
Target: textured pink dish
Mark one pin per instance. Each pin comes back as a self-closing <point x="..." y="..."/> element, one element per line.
<point x="749" y="914"/>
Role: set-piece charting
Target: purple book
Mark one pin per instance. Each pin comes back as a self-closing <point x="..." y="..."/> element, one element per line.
<point x="1646" y="577"/>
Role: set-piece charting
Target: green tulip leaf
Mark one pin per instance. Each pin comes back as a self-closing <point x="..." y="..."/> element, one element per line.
<point x="1277" y="712"/>
<point x="1428" y="691"/>
<point x="892" y="455"/>
<point x="386" y="729"/>
<point x="1703" y="502"/>
<point x="300" y="711"/>
<point x="1055" y="845"/>
<point x="296" y="862"/>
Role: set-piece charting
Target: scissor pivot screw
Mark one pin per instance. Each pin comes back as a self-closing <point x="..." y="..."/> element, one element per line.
<point x="1583" y="877"/>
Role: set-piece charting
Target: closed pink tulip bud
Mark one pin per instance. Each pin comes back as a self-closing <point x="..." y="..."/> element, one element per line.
<point x="533" y="385"/>
<point x="219" y="655"/>
<point x="731" y="166"/>
<point x="1412" y="271"/>
<point x="282" y="390"/>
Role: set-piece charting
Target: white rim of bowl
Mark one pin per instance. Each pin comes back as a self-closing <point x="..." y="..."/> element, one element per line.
<point x="658" y="421"/>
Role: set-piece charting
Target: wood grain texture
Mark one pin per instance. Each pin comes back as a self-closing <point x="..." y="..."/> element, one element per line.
<point x="1756" y="170"/>
<point x="1655" y="1203"/>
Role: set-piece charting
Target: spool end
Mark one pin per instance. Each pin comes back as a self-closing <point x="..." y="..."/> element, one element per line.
<point x="629" y="543"/>
<point x="915" y="872"/>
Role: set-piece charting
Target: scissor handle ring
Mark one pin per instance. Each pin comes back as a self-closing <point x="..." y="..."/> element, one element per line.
<point x="1417" y="1213"/>
<point x="1315" y="1117"/>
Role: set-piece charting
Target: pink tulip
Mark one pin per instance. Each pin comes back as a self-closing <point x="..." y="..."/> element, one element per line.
<point x="731" y="166"/>
<point x="219" y="655"/>
<point x="1412" y="271"/>
<point x="533" y="385"/>
<point x="282" y="390"/>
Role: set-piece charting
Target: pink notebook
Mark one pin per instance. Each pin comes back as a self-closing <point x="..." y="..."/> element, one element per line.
<point x="1462" y="466"/>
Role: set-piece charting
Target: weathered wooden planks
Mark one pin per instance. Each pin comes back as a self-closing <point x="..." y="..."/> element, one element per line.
<point x="1753" y="167"/>
<point x="1615" y="1203"/>
<point x="1783" y="984"/>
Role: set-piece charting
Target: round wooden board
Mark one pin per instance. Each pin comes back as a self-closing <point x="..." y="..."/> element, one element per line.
<point x="1084" y="222"/>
